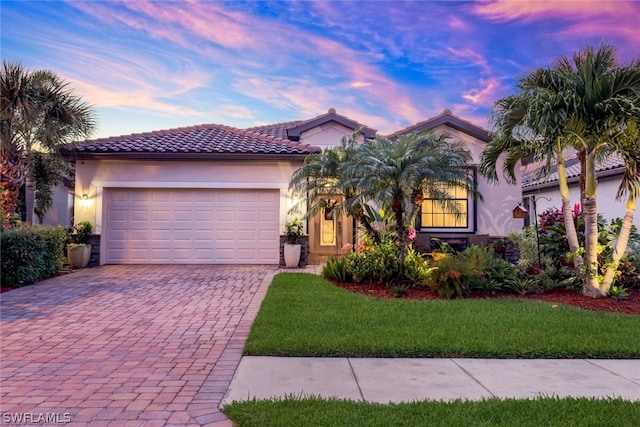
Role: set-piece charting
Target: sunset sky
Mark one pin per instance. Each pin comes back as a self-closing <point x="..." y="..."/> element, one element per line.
<point x="150" y="65"/>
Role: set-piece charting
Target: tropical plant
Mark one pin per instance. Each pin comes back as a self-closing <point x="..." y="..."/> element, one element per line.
<point x="393" y="174"/>
<point x="80" y="233"/>
<point x="375" y="263"/>
<point x="590" y="103"/>
<point x="527" y="242"/>
<point x="521" y="286"/>
<point x="398" y="173"/>
<point x="417" y="269"/>
<point x="47" y="171"/>
<point x="337" y="269"/>
<point x="39" y="113"/>
<point x="293" y="230"/>
<point x="326" y="175"/>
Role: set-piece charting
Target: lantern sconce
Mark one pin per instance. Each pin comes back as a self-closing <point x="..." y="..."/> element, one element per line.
<point x="328" y="209"/>
<point x="84" y="201"/>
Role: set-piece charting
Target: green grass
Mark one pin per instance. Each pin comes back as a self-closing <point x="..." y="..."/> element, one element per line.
<point x="311" y="412"/>
<point x="304" y="315"/>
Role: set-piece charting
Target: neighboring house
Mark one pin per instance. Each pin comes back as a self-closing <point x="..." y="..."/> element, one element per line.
<point x="216" y="194"/>
<point x="547" y="193"/>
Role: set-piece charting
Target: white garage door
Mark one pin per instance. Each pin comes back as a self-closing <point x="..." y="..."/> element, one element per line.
<point x="182" y="226"/>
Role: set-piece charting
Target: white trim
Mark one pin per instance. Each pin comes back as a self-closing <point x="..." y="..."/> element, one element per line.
<point x="191" y="184"/>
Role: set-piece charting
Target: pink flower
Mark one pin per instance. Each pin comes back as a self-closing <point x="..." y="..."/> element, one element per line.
<point x="411" y="234"/>
<point x="346" y="248"/>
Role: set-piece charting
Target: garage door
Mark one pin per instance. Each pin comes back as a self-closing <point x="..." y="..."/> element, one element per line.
<point x="160" y="226"/>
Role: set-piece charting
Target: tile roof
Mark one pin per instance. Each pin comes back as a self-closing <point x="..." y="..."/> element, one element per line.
<point x="533" y="179"/>
<point x="446" y="118"/>
<point x="294" y="129"/>
<point x="278" y="130"/>
<point x="202" y="140"/>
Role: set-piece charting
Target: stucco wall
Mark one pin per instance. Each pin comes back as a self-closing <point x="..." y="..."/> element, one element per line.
<point x="60" y="211"/>
<point x="607" y="205"/>
<point x="494" y="212"/>
<point x="325" y="136"/>
<point x="93" y="176"/>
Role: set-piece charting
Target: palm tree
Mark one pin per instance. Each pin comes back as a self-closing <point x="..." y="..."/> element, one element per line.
<point x="588" y="103"/>
<point x="628" y="146"/>
<point x="399" y="172"/>
<point x="327" y="175"/>
<point x="39" y="113"/>
<point x="532" y="123"/>
<point x="604" y="100"/>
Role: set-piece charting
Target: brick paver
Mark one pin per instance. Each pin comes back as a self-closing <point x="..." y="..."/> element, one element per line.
<point x="127" y="345"/>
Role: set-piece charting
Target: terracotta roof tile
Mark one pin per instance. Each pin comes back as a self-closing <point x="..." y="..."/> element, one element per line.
<point x="196" y="140"/>
<point x="278" y="130"/>
<point x="534" y="179"/>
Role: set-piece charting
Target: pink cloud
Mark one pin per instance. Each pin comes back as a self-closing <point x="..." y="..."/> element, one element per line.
<point x="471" y="56"/>
<point x="513" y="9"/>
<point x="485" y="94"/>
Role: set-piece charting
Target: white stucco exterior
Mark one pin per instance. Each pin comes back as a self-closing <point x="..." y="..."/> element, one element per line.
<point x="608" y="206"/>
<point x="122" y="184"/>
<point x="494" y="211"/>
<point x="92" y="176"/>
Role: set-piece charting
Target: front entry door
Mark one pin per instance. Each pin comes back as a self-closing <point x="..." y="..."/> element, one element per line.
<point x="329" y="232"/>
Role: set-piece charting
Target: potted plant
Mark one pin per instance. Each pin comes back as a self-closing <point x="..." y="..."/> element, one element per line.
<point x="292" y="249"/>
<point x="500" y="245"/>
<point x="79" y="250"/>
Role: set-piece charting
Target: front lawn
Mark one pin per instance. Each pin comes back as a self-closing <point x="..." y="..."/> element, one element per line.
<point x="491" y="412"/>
<point x="305" y="315"/>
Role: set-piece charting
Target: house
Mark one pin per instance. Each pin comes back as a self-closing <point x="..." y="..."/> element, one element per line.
<point x="217" y="194"/>
<point x="545" y="191"/>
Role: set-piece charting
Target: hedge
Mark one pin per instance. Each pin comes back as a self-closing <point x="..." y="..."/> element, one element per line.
<point x="30" y="253"/>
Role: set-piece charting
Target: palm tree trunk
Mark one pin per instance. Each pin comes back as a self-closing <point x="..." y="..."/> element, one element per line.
<point x="12" y="173"/>
<point x="401" y="234"/>
<point x="590" y="214"/>
<point x="570" y="226"/>
<point x="358" y="215"/>
<point x="621" y="245"/>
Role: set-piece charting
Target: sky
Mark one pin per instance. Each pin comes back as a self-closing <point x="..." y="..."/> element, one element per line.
<point x="152" y="65"/>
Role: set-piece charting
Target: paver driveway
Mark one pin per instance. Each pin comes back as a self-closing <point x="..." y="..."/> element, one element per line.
<point x="127" y="345"/>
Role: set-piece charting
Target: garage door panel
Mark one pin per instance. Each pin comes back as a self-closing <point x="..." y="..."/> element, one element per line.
<point x="227" y="196"/>
<point x="139" y="197"/>
<point x="191" y="226"/>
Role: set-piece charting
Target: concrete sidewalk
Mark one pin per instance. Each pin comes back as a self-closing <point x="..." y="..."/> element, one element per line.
<point x="403" y="380"/>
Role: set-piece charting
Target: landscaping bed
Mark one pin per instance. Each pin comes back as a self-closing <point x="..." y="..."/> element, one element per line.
<point x="629" y="305"/>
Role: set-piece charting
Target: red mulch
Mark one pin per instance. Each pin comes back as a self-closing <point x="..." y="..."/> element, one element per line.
<point x="630" y="305"/>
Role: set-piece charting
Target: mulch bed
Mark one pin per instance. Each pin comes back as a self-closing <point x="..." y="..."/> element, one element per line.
<point x="630" y="305"/>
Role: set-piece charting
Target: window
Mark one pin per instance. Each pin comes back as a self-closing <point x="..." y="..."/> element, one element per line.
<point x="436" y="216"/>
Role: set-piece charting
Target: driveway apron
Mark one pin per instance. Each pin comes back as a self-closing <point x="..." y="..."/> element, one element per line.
<point x="127" y="345"/>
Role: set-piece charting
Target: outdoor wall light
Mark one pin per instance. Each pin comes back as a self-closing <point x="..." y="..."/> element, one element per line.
<point x="84" y="201"/>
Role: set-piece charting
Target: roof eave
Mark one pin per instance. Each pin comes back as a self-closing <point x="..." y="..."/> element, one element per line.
<point x="571" y="180"/>
<point x="187" y="156"/>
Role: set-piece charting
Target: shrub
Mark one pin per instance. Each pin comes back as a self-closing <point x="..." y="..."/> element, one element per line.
<point x="374" y="263"/>
<point x="337" y="269"/>
<point x="527" y="242"/>
<point x="31" y="253"/>
<point x="417" y="269"/>
<point x="473" y="270"/>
